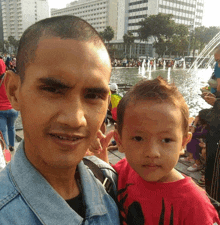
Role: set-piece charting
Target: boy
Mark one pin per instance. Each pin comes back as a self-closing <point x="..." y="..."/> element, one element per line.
<point x="152" y="131"/>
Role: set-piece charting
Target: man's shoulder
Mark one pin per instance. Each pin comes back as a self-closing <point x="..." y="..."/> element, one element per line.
<point x="105" y="167"/>
<point x="7" y="191"/>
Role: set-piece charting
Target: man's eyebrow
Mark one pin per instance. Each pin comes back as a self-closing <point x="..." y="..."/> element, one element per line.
<point x="98" y="90"/>
<point x="54" y="82"/>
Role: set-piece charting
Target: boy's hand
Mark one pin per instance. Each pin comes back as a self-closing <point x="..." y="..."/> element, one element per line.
<point x="100" y="145"/>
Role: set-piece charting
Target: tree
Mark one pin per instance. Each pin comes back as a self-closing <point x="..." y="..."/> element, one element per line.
<point x="13" y="43"/>
<point x="6" y="46"/>
<point x="101" y="33"/>
<point x="179" y="41"/>
<point x="156" y="26"/>
<point x="108" y="34"/>
<point x="161" y="27"/>
<point x="128" y="40"/>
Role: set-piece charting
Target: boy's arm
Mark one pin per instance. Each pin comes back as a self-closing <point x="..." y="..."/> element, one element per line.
<point x="100" y="145"/>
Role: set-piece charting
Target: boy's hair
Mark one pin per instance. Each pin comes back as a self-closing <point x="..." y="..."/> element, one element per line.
<point x="64" y="27"/>
<point x="157" y="90"/>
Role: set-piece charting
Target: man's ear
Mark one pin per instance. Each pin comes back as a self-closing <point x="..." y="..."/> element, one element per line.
<point x="117" y="138"/>
<point x="12" y="85"/>
<point x="186" y="140"/>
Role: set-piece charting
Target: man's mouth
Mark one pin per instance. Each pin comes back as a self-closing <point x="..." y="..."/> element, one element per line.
<point x="67" y="137"/>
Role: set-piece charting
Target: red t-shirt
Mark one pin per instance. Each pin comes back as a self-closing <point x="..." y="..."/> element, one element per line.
<point x="4" y="102"/>
<point x="152" y="203"/>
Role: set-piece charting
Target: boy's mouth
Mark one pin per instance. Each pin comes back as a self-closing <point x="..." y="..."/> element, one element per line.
<point x="151" y="165"/>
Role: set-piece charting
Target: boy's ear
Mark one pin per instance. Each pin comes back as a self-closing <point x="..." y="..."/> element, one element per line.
<point x="117" y="138"/>
<point x="186" y="140"/>
<point x="12" y="86"/>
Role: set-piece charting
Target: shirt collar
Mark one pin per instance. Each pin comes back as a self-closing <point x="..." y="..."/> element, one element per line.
<point x="46" y="203"/>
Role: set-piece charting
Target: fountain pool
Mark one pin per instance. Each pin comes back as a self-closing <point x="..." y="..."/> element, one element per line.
<point x="189" y="84"/>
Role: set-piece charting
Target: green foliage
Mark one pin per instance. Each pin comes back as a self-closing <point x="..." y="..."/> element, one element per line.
<point x="13" y="43"/>
<point x="102" y="35"/>
<point x="156" y="26"/>
<point x="108" y="34"/>
<point x="162" y="28"/>
<point x="129" y="38"/>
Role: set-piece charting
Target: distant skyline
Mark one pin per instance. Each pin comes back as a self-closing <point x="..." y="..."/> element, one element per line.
<point x="210" y="18"/>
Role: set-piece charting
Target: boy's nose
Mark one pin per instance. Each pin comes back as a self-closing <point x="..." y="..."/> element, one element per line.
<point x="152" y="151"/>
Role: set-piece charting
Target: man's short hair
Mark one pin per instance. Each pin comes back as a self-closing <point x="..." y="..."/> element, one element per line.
<point x="216" y="50"/>
<point x="64" y="27"/>
<point x="157" y="90"/>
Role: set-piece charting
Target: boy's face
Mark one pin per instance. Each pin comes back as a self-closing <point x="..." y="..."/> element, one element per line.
<point x="152" y="139"/>
<point x="63" y="100"/>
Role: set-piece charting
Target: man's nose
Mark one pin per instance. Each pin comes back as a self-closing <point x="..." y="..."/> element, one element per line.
<point x="73" y="114"/>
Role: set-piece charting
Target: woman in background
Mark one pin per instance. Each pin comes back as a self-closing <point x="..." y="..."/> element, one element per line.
<point x="7" y="114"/>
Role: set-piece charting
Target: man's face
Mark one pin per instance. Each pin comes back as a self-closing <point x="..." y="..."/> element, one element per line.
<point x="152" y="139"/>
<point x="217" y="58"/>
<point x="63" y="100"/>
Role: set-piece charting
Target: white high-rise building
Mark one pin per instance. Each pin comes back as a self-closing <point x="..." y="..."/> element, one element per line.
<point x="187" y="12"/>
<point x="98" y="13"/>
<point x="131" y="12"/>
<point x="17" y="15"/>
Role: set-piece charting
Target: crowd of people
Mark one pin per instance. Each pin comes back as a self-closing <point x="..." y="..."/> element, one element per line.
<point x="136" y="63"/>
<point x="63" y="97"/>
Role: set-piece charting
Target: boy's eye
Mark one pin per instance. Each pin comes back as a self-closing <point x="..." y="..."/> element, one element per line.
<point x="166" y="140"/>
<point x="138" y="138"/>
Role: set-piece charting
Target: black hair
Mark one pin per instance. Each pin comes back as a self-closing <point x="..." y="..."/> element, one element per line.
<point x="64" y="27"/>
<point x="157" y="90"/>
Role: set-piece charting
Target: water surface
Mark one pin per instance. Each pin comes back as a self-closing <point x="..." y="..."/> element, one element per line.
<point x="188" y="84"/>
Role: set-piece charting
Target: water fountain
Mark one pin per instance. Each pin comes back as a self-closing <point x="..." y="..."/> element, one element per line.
<point x="174" y="65"/>
<point x="155" y="66"/>
<point x="139" y="70"/>
<point x="143" y="67"/>
<point x="184" y="65"/>
<point x="148" y="65"/>
<point x="149" y="76"/>
<point x="164" y="65"/>
<point x="207" y="51"/>
<point x="168" y="74"/>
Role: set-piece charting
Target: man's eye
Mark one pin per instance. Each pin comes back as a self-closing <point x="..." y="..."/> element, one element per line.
<point x="92" y="96"/>
<point x="138" y="138"/>
<point x="166" y="140"/>
<point x="52" y="90"/>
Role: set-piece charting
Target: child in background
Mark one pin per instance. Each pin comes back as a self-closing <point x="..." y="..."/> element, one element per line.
<point x="199" y="130"/>
<point x="152" y="131"/>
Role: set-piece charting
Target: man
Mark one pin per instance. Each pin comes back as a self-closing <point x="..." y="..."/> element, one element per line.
<point x="216" y="91"/>
<point x="212" y="178"/>
<point x="61" y="89"/>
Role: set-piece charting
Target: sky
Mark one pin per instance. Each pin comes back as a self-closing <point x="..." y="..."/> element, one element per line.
<point x="211" y="15"/>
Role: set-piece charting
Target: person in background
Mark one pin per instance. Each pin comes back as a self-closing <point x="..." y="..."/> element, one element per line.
<point x="2" y="157"/>
<point x="216" y="91"/>
<point x="212" y="171"/>
<point x="7" y="114"/>
<point x="115" y="99"/>
<point x="193" y="147"/>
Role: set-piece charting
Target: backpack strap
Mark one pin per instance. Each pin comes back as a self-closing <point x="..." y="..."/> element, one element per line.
<point x="106" y="182"/>
<point x="2" y="79"/>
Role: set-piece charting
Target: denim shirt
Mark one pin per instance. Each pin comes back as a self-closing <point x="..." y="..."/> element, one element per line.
<point x="27" y="198"/>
